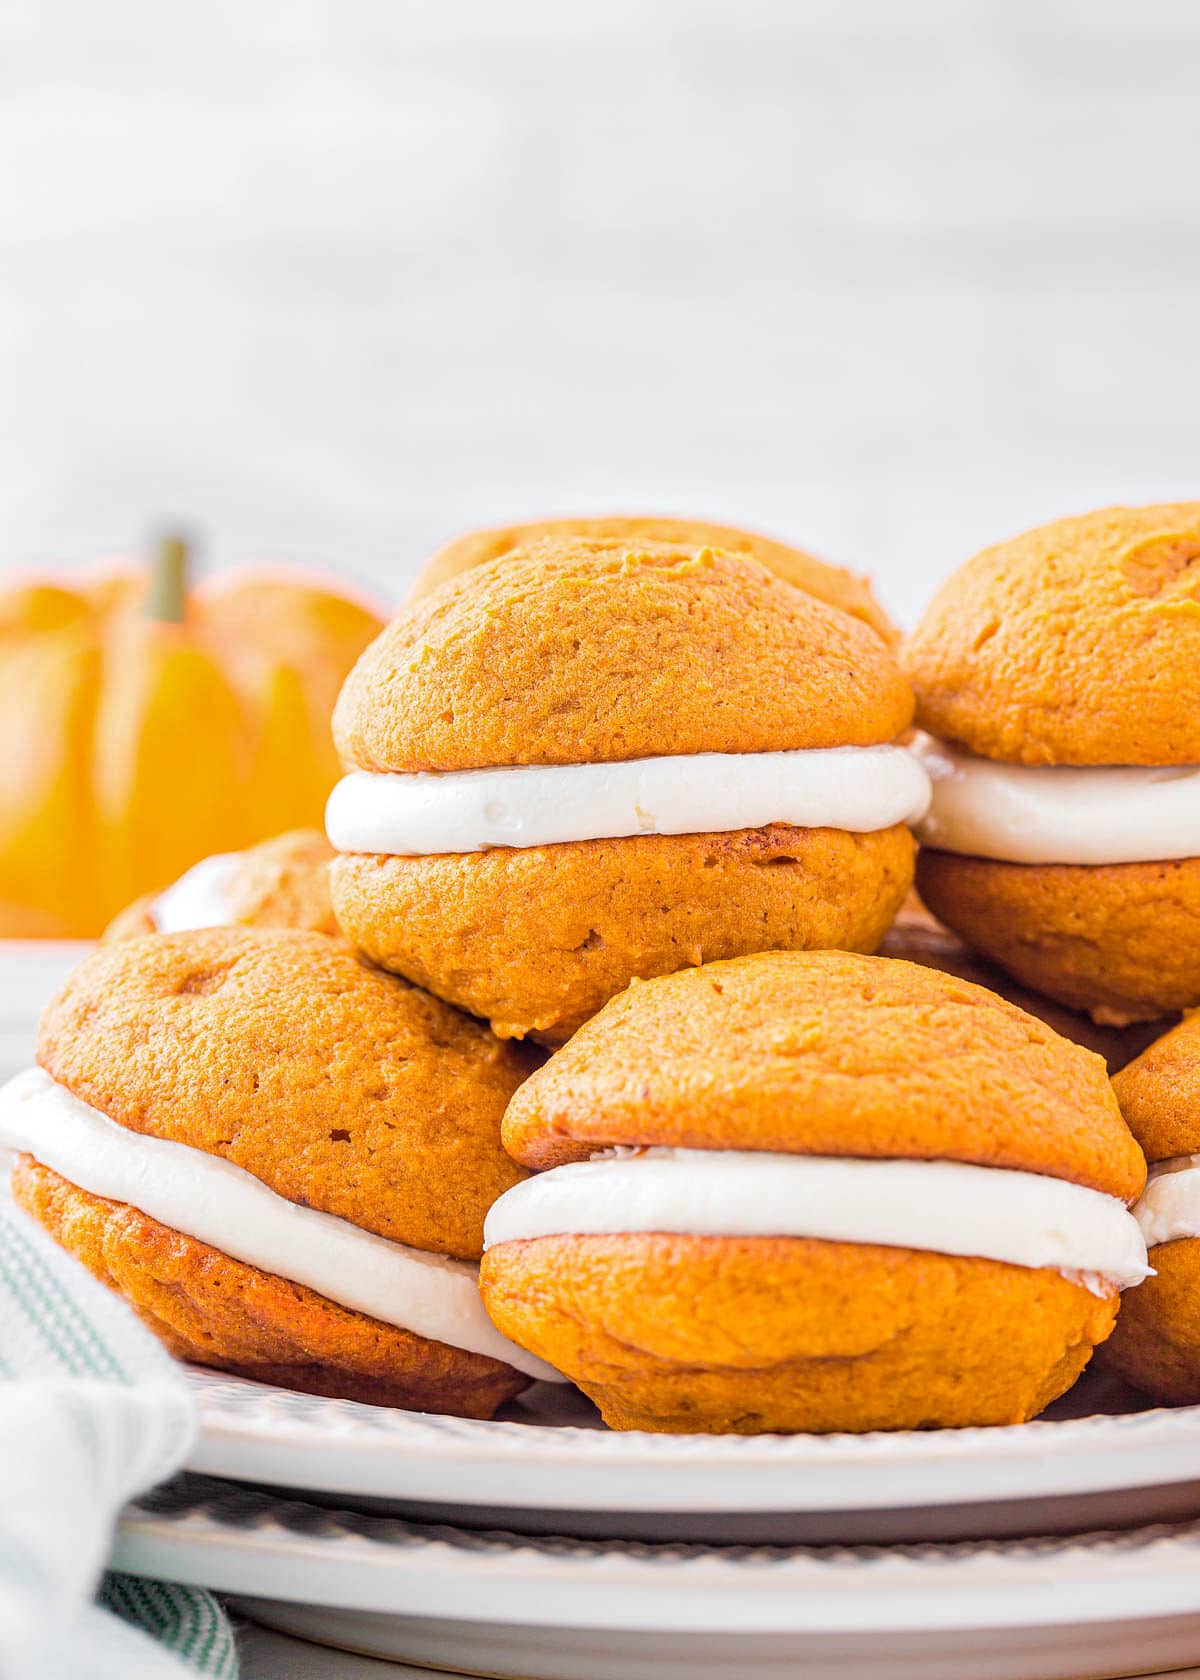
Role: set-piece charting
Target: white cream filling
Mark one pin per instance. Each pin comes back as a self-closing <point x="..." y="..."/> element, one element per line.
<point x="1170" y="1204"/>
<point x="1022" y="813"/>
<point x="947" y="1207"/>
<point x="200" y="898"/>
<point x="218" y="1203"/>
<point x="861" y="789"/>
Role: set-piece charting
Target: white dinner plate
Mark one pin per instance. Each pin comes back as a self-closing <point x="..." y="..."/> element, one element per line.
<point x="559" y="1609"/>
<point x="548" y="1466"/>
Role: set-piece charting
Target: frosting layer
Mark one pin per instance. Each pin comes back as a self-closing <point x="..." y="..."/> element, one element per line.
<point x="1020" y="813"/>
<point x="200" y="898"/>
<point x="862" y="789"/>
<point x="989" y="1213"/>
<point x="1170" y="1204"/>
<point x="218" y="1203"/>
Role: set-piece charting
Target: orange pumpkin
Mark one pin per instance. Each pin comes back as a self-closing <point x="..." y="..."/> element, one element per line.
<point x="143" y="728"/>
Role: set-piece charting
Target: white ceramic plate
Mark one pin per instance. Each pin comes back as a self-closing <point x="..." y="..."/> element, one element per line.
<point x="548" y="1466"/>
<point x="557" y="1609"/>
<point x="266" y="1655"/>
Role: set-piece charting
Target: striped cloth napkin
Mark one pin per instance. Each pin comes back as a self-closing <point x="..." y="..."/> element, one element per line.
<point x="92" y="1412"/>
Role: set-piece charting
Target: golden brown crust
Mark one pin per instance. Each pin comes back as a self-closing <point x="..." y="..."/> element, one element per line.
<point x="751" y="1334"/>
<point x="827" y="1053"/>
<point x="1159" y="1094"/>
<point x="916" y="937"/>
<point x="831" y="584"/>
<point x="282" y="882"/>
<point x="216" y="1311"/>
<point x="1076" y="643"/>
<point x="1121" y="940"/>
<point x="1156" y="1345"/>
<point x="339" y="1087"/>
<point x="578" y="651"/>
<point x="536" y="939"/>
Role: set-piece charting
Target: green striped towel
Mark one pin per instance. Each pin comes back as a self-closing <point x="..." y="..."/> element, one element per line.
<point x="92" y="1412"/>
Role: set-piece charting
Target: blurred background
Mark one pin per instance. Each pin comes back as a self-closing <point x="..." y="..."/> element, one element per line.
<point x="333" y="279"/>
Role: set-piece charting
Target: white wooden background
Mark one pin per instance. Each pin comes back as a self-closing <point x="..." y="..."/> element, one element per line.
<point x="337" y="277"/>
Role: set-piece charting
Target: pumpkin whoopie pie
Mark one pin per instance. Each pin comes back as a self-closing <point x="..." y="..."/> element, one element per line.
<point x="281" y="1158"/>
<point x="1156" y="1345"/>
<point x="815" y="1191"/>
<point x="831" y="584"/>
<point x="1060" y="675"/>
<point x="282" y="882"/>
<point x="590" y="761"/>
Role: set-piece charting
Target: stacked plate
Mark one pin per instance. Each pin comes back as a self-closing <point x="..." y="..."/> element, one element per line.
<point x="541" y="1545"/>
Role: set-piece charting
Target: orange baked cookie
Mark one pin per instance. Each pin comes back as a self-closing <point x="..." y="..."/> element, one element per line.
<point x="1060" y="673"/>
<point x="1118" y="941"/>
<point x="590" y="762"/>
<point x="280" y="1157"/>
<point x="815" y="1191"/>
<point x="1157" y="1344"/>
<point x="915" y="936"/>
<point x="282" y="882"/>
<point x="831" y="584"/>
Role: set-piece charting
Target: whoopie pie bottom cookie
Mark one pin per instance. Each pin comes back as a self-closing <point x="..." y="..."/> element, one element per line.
<point x="1121" y="941"/>
<point x="1156" y="1344"/>
<point x="744" y="1335"/>
<point x="212" y="1310"/>
<point x="536" y="939"/>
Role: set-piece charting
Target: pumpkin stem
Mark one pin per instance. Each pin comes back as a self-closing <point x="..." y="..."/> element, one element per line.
<point x="166" y="599"/>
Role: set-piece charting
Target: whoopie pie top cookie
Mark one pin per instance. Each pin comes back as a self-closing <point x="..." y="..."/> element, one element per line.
<point x="1075" y="644"/>
<point x="281" y="882"/>
<point x="832" y="584"/>
<point x="601" y="650"/>
<point x="827" y="1053"/>
<point x="340" y="1088"/>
